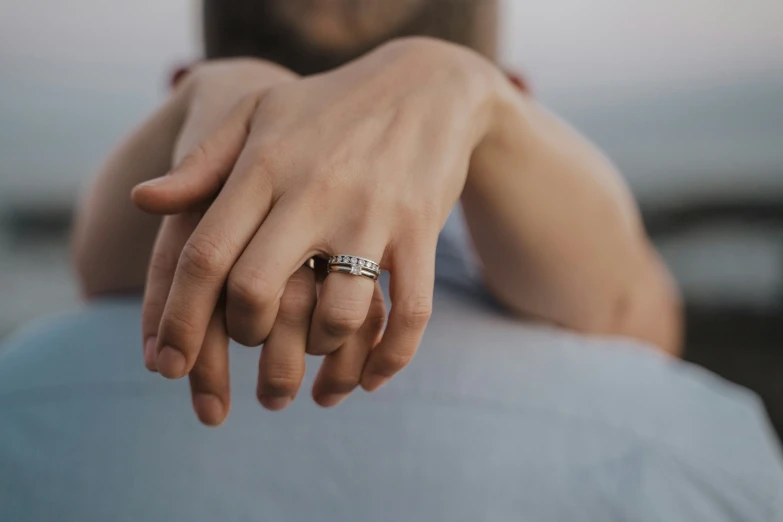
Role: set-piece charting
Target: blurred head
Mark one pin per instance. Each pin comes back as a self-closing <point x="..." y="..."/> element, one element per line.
<point x="309" y="36"/>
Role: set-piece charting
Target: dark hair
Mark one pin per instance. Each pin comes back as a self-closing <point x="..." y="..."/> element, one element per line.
<point x="234" y="28"/>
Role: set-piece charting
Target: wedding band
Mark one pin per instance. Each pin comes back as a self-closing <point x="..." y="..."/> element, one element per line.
<point x="355" y="265"/>
<point x="345" y="270"/>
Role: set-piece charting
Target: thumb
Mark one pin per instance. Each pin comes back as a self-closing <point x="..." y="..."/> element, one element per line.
<point x="196" y="180"/>
<point x="200" y="175"/>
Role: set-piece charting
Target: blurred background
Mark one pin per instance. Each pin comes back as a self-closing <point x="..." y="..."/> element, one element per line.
<point x="686" y="96"/>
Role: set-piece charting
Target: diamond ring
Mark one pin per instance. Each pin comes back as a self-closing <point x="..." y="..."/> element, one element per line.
<point x="355" y="265"/>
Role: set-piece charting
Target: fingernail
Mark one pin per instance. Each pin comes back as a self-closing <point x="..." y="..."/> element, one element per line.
<point x="150" y="355"/>
<point x="330" y="400"/>
<point x="209" y="409"/>
<point x="274" y="403"/>
<point x="171" y="363"/>
<point x="371" y="383"/>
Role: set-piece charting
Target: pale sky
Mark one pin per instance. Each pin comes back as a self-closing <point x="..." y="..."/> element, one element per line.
<point x="596" y="43"/>
<point x="75" y="74"/>
<point x="632" y="42"/>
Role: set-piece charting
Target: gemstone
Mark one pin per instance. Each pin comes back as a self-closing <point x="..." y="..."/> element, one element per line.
<point x="354" y="260"/>
<point x="361" y="262"/>
<point x="356" y="270"/>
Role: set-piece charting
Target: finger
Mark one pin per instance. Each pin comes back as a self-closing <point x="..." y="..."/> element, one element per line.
<point x="209" y="379"/>
<point x="282" y="365"/>
<point x="172" y="236"/>
<point x="201" y="173"/>
<point x="411" y="289"/>
<point x="341" y="371"/>
<point x="205" y="262"/>
<point x="342" y="308"/>
<point x="258" y="279"/>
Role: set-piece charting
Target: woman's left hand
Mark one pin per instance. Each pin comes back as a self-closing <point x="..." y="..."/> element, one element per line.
<point x="367" y="160"/>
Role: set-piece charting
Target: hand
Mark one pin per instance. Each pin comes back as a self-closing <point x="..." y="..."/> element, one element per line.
<point x="367" y="160"/>
<point x="212" y="88"/>
<point x="211" y="91"/>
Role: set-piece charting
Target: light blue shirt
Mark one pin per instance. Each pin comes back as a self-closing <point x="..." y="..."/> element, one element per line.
<point x="495" y="420"/>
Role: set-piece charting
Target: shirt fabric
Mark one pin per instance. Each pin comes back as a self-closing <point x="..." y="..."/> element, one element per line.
<point x="495" y="420"/>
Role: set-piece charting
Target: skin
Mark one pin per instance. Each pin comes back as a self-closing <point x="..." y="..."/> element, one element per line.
<point x="521" y="174"/>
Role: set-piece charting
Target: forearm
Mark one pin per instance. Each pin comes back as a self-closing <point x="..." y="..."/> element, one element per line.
<point x="112" y="239"/>
<point x="559" y="233"/>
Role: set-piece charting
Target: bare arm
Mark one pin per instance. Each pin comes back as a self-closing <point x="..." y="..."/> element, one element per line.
<point x="558" y="232"/>
<point x="538" y="198"/>
<point x="112" y="238"/>
<point x="370" y="158"/>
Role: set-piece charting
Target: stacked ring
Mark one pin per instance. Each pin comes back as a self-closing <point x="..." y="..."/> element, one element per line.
<point x="355" y="265"/>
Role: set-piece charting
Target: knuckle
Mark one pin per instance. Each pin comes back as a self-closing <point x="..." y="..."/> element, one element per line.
<point x="210" y="373"/>
<point x="198" y="155"/>
<point x="343" y="319"/>
<point x="282" y="381"/>
<point x="416" y="312"/>
<point x="203" y="257"/>
<point x="250" y="290"/>
<point x="179" y="325"/>
<point x="340" y="383"/>
<point x="340" y="327"/>
<point x="390" y="362"/>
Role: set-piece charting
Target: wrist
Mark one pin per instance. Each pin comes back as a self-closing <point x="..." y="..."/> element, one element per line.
<point x="233" y="75"/>
<point x="495" y="100"/>
<point x="503" y="151"/>
<point x="475" y="86"/>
